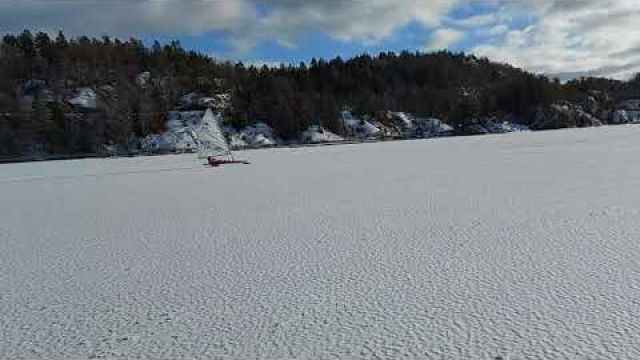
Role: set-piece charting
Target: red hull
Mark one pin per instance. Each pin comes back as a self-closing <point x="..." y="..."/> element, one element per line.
<point x="217" y="162"/>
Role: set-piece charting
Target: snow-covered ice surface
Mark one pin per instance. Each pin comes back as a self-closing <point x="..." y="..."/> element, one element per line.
<point x="522" y="246"/>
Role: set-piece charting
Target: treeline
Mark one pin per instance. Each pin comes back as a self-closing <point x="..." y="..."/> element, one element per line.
<point x="38" y="75"/>
<point x="454" y="87"/>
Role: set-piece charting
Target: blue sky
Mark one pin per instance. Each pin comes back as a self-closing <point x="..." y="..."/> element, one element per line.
<point x="319" y="44"/>
<point x="566" y="38"/>
<point x="312" y="45"/>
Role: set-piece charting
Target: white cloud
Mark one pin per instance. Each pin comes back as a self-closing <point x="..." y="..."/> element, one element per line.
<point x="476" y="20"/>
<point x="125" y="18"/>
<point x="368" y="21"/>
<point x="573" y="38"/>
<point x="245" y="22"/>
<point x="443" y="38"/>
<point x="498" y="30"/>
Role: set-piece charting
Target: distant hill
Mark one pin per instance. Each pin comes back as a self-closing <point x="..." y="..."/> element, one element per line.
<point x="69" y="96"/>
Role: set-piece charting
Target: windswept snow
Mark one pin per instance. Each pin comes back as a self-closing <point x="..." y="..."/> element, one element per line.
<point x="520" y="246"/>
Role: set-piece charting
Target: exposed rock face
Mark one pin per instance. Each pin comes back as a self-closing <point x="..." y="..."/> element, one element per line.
<point x="218" y="102"/>
<point x="562" y="115"/>
<point x="393" y="124"/>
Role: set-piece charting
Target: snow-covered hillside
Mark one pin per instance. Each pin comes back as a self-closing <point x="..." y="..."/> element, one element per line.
<point x="181" y="135"/>
<point x="519" y="246"/>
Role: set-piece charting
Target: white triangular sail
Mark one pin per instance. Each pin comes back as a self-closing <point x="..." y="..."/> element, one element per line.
<point x="211" y="141"/>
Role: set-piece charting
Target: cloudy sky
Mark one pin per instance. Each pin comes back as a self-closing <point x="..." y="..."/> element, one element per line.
<point x="565" y="38"/>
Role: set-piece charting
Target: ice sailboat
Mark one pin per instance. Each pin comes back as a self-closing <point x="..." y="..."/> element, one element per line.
<point x="212" y="144"/>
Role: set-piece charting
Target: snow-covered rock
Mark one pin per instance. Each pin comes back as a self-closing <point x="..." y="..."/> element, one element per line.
<point x="180" y="135"/>
<point x="358" y="127"/>
<point x="518" y="127"/>
<point x="474" y="129"/>
<point x="258" y="135"/>
<point x="317" y="134"/>
<point x="388" y="130"/>
<point x="153" y="143"/>
<point x="84" y="98"/>
<point x="143" y="79"/>
<point x="236" y="141"/>
<point x="632" y="109"/>
<point x="262" y="140"/>
<point x="180" y="119"/>
<point x="219" y="102"/>
<point x="620" y="117"/>
<point x="182" y="140"/>
<point x="111" y="149"/>
<point x="432" y="127"/>
<point x="562" y="115"/>
<point x="407" y="120"/>
<point x="348" y="119"/>
<point x="368" y="129"/>
<point x="496" y="125"/>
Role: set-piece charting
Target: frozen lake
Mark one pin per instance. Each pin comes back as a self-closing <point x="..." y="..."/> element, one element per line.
<point x="520" y="246"/>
